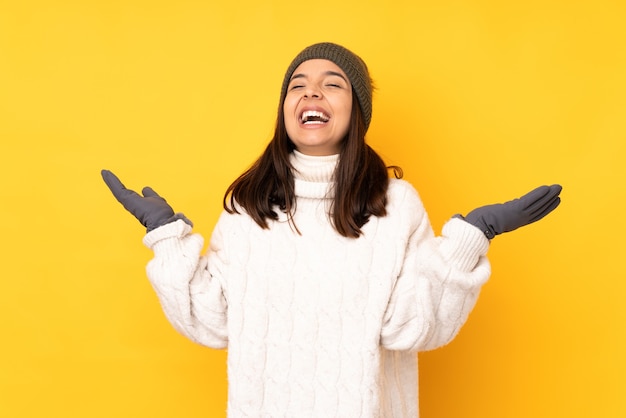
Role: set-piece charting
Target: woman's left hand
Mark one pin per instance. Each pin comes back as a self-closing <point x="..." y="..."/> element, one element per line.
<point x="504" y="217"/>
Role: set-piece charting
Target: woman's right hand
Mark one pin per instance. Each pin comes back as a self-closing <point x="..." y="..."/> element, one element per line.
<point x="150" y="209"/>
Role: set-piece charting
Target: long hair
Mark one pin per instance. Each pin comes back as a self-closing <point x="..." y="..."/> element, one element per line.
<point x="360" y="188"/>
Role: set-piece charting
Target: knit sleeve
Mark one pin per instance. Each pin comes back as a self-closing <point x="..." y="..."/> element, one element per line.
<point x="439" y="283"/>
<point x="191" y="294"/>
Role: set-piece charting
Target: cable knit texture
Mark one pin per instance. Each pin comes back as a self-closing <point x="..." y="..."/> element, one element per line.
<point x="316" y="324"/>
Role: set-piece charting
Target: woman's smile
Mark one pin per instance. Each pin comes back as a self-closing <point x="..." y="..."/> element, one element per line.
<point x="317" y="107"/>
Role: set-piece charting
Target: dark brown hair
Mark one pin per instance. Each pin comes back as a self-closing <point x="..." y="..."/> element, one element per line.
<point x="361" y="181"/>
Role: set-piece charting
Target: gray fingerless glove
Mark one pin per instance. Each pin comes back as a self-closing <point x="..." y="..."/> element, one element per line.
<point x="505" y="217"/>
<point x="150" y="209"/>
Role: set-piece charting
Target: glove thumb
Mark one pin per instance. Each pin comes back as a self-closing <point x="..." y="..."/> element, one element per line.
<point x="149" y="192"/>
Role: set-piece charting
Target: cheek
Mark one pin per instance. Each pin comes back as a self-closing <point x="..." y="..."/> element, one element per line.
<point x="345" y="104"/>
<point x="289" y="121"/>
<point x="289" y="104"/>
<point x="346" y="114"/>
<point x="288" y="112"/>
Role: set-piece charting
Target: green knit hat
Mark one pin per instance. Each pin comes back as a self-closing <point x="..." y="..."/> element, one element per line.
<point x="350" y="63"/>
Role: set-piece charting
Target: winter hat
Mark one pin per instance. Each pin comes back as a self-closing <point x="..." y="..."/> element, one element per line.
<point x="351" y="64"/>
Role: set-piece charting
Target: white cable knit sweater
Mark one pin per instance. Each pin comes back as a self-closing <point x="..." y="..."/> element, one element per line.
<point x="319" y="325"/>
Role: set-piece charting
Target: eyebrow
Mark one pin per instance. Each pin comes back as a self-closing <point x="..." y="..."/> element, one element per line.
<point x="326" y="73"/>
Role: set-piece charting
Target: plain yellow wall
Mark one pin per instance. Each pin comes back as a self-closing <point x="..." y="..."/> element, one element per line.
<point x="479" y="101"/>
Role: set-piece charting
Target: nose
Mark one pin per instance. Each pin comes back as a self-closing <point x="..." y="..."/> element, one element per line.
<point x="312" y="92"/>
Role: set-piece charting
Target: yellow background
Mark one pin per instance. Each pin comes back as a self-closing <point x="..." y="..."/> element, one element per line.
<point x="479" y="101"/>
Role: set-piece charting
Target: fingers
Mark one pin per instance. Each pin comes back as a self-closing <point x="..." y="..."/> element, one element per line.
<point x="121" y="193"/>
<point x="111" y="180"/>
<point x="531" y="198"/>
<point x="546" y="209"/>
<point x="115" y="185"/>
<point x="538" y="197"/>
<point x="554" y="191"/>
<point x="556" y="188"/>
<point x="546" y="203"/>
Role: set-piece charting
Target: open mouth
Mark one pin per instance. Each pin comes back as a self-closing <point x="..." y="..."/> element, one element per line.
<point x="310" y="117"/>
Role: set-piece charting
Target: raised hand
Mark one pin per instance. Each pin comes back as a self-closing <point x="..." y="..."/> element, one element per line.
<point x="150" y="209"/>
<point x="504" y="217"/>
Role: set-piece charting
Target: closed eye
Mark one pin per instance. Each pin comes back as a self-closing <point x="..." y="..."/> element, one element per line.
<point x="296" y="81"/>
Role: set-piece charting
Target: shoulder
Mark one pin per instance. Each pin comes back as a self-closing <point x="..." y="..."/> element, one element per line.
<point x="229" y="221"/>
<point x="402" y="195"/>
<point x="405" y="206"/>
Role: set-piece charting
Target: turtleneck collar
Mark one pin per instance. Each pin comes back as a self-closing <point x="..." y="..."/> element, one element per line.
<point x="313" y="174"/>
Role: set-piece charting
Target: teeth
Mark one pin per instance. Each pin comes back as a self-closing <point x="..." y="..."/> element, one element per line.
<point x="313" y="116"/>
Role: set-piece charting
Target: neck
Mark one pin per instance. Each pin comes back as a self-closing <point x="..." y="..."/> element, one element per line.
<point x="314" y="168"/>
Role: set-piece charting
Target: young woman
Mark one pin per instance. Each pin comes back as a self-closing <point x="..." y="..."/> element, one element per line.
<point x="324" y="277"/>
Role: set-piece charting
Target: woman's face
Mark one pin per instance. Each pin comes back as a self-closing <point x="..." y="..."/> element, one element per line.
<point x="317" y="107"/>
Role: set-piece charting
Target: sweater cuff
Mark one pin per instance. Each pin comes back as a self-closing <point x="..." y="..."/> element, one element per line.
<point x="177" y="229"/>
<point x="463" y="244"/>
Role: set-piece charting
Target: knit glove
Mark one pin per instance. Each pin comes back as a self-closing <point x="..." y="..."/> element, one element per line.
<point x="150" y="209"/>
<point x="505" y="217"/>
